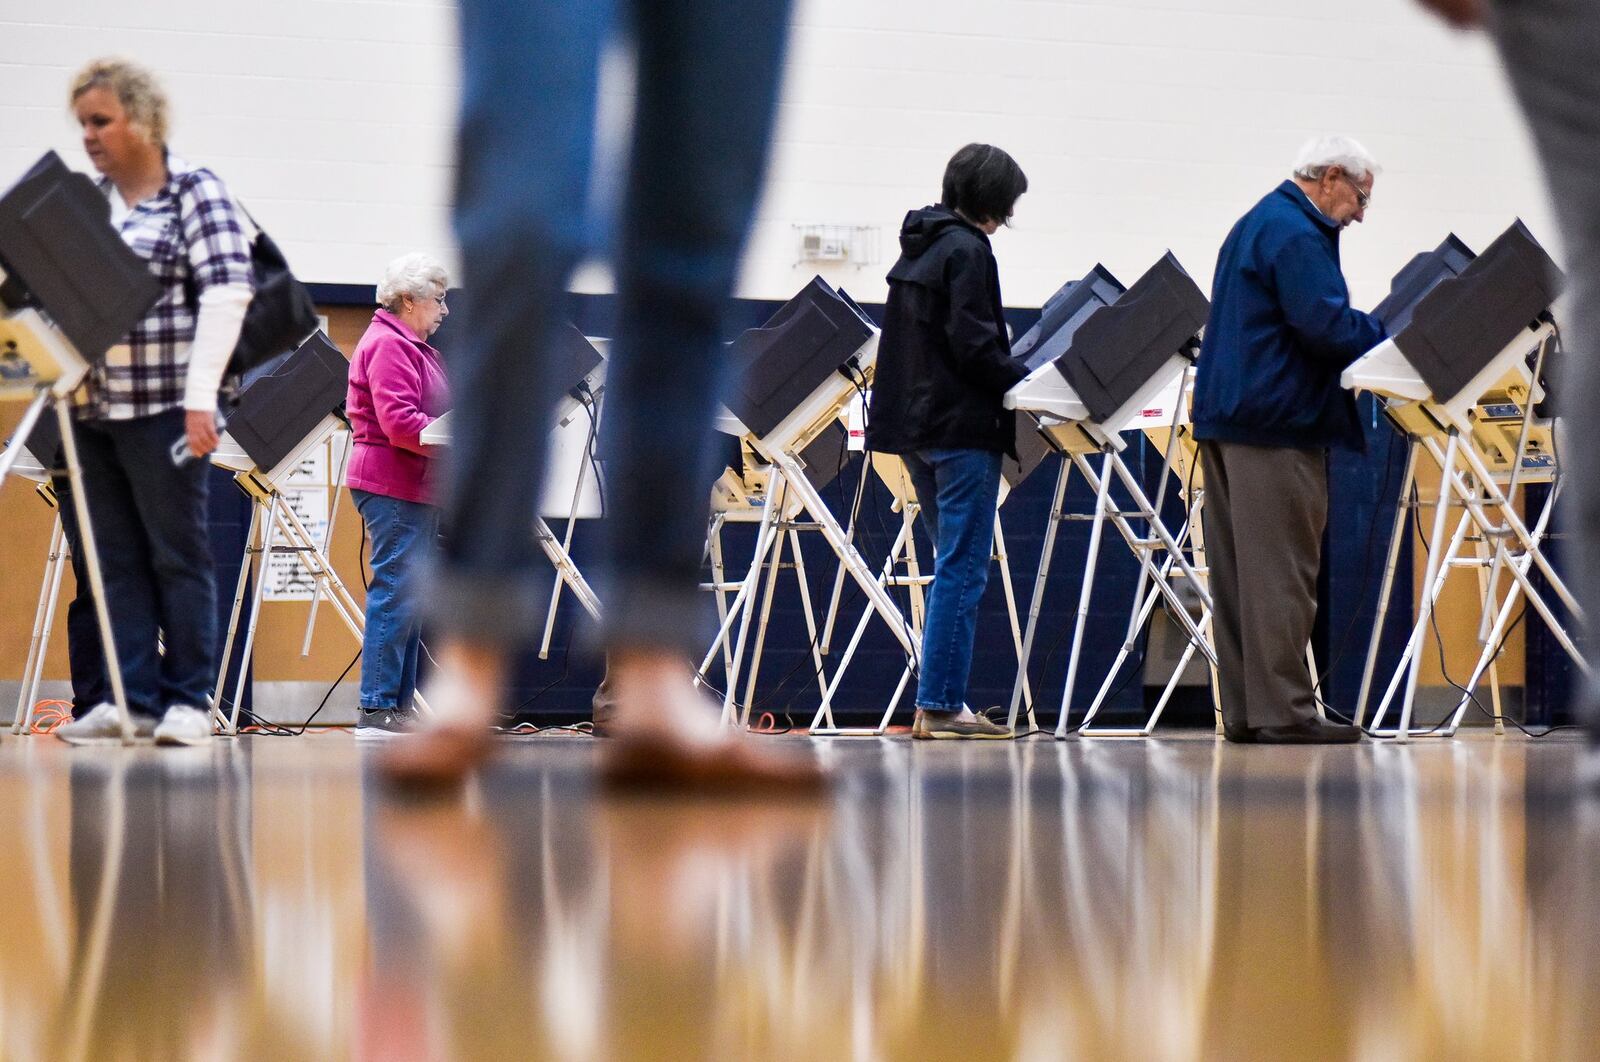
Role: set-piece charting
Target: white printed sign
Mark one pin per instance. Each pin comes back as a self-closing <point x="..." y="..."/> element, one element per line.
<point x="305" y="491"/>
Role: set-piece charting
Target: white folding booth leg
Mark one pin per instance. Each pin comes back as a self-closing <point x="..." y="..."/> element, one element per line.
<point x="1086" y="591"/>
<point x="1418" y="635"/>
<point x="825" y="709"/>
<point x="269" y="527"/>
<point x="327" y="540"/>
<point x="91" y="561"/>
<point x="807" y="610"/>
<point x="251" y="545"/>
<point x="566" y="570"/>
<point x="876" y="593"/>
<point x="62" y="555"/>
<point x="1397" y="535"/>
<point x="1141" y="616"/>
<point x="1502" y="618"/>
<point x="740" y="609"/>
<point x="39" y="640"/>
<point x="1137" y="545"/>
<point x="914" y="580"/>
<point x="840" y="573"/>
<point x="1508" y="513"/>
<point x="1153" y="518"/>
<point x="774" y="566"/>
<point x="1436" y="565"/>
<point x="719" y="579"/>
<point x="566" y="548"/>
<point x="1488" y="599"/>
<point x="1316" y="681"/>
<point x="316" y="565"/>
<point x="1003" y="558"/>
<point x="1036" y="603"/>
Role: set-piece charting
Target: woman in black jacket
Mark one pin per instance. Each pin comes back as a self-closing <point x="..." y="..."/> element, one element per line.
<point x="944" y="366"/>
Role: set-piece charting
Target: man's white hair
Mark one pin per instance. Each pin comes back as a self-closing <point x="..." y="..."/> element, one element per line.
<point x="1347" y="153"/>
<point x="417" y="274"/>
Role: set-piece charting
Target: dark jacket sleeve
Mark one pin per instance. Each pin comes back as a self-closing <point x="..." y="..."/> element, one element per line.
<point x="1316" y="303"/>
<point x="972" y="332"/>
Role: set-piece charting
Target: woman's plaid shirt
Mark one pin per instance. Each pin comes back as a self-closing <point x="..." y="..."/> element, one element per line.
<point x="191" y="236"/>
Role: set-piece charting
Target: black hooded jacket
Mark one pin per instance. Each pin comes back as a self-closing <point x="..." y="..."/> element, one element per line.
<point x="944" y="360"/>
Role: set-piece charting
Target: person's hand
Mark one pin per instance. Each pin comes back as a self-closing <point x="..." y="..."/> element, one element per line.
<point x="200" y="428"/>
<point x="1462" y="14"/>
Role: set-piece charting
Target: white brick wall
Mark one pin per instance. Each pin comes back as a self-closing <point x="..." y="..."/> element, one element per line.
<point x="1142" y="124"/>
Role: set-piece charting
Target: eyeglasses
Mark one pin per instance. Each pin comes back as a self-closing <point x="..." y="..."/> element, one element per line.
<point x="1362" y="198"/>
<point x="440" y="298"/>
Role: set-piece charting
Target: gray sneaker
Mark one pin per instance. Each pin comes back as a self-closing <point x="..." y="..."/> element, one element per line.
<point x="100" y="725"/>
<point x="938" y="726"/>
<point x="183" y="725"/>
<point x="383" y="723"/>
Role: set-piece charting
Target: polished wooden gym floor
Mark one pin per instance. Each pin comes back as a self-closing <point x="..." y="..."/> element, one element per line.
<point x="1165" y="899"/>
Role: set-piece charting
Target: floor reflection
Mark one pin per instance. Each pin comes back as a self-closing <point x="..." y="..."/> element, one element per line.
<point x="1155" y="900"/>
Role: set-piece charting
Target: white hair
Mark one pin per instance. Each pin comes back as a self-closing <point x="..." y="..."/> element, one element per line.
<point x="417" y="274"/>
<point x="1347" y="153"/>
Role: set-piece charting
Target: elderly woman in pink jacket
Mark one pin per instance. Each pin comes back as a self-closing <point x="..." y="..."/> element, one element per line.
<point x="397" y="389"/>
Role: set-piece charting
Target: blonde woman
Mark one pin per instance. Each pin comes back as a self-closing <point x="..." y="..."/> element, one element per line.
<point x="159" y="385"/>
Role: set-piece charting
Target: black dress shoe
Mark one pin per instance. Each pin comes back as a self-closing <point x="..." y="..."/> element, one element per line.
<point x="1239" y="735"/>
<point x="1313" y="731"/>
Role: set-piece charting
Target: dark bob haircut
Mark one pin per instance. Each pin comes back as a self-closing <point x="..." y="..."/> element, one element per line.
<point x="983" y="182"/>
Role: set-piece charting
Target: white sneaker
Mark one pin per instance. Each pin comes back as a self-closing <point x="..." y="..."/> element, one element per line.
<point x="101" y="725"/>
<point x="183" y="725"/>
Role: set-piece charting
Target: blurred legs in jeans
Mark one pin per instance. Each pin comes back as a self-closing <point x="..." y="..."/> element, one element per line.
<point x="708" y="72"/>
<point x="1548" y="50"/>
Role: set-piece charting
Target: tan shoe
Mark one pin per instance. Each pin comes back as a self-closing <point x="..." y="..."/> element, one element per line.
<point x="937" y="726"/>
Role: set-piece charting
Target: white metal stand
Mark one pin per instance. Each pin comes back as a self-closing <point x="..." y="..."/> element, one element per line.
<point x="1158" y="408"/>
<point x="274" y="528"/>
<point x="1487" y="510"/>
<point x="43" y="623"/>
<point x="559" y="551"/>
<point x="56" y="395"/>
<point x="903" y="554"/>
<point x="1502" y="541"/>
<point x="778" y="528"/>
<point x="1144" y="549"/>
<point x="57" y="558"/>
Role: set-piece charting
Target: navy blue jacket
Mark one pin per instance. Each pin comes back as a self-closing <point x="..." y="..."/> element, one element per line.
<point x="944" y="358"/>
<point x="1281" y="331"/>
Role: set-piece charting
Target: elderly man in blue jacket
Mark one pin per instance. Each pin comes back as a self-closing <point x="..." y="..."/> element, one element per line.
<point x="1267" y="407"/>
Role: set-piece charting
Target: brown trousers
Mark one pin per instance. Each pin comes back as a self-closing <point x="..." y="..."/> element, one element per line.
<point x="1265" y="509"/>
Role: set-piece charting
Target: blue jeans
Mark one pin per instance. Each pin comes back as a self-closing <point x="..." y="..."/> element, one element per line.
<point x="958" y="491"/>
<point x="1546" y="46"/>
<point x="155" y="555"/>
<point x="402" y="534"/>
<point x="708" y="74"/>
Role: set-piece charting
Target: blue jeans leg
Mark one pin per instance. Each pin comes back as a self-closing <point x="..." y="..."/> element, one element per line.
<point x="708" y="73"/>
<point x="401" y="533"/>
<point x="155" y="555"/>
<point x="708" y="80"/>
<point x="958" y="490"/>
<point x="1548" y="50"/>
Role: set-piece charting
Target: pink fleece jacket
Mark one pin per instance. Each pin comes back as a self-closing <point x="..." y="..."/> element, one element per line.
<point x="397" y="388"/>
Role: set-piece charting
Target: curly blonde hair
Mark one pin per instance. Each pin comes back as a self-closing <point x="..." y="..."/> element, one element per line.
<point x="135" y="87"/>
